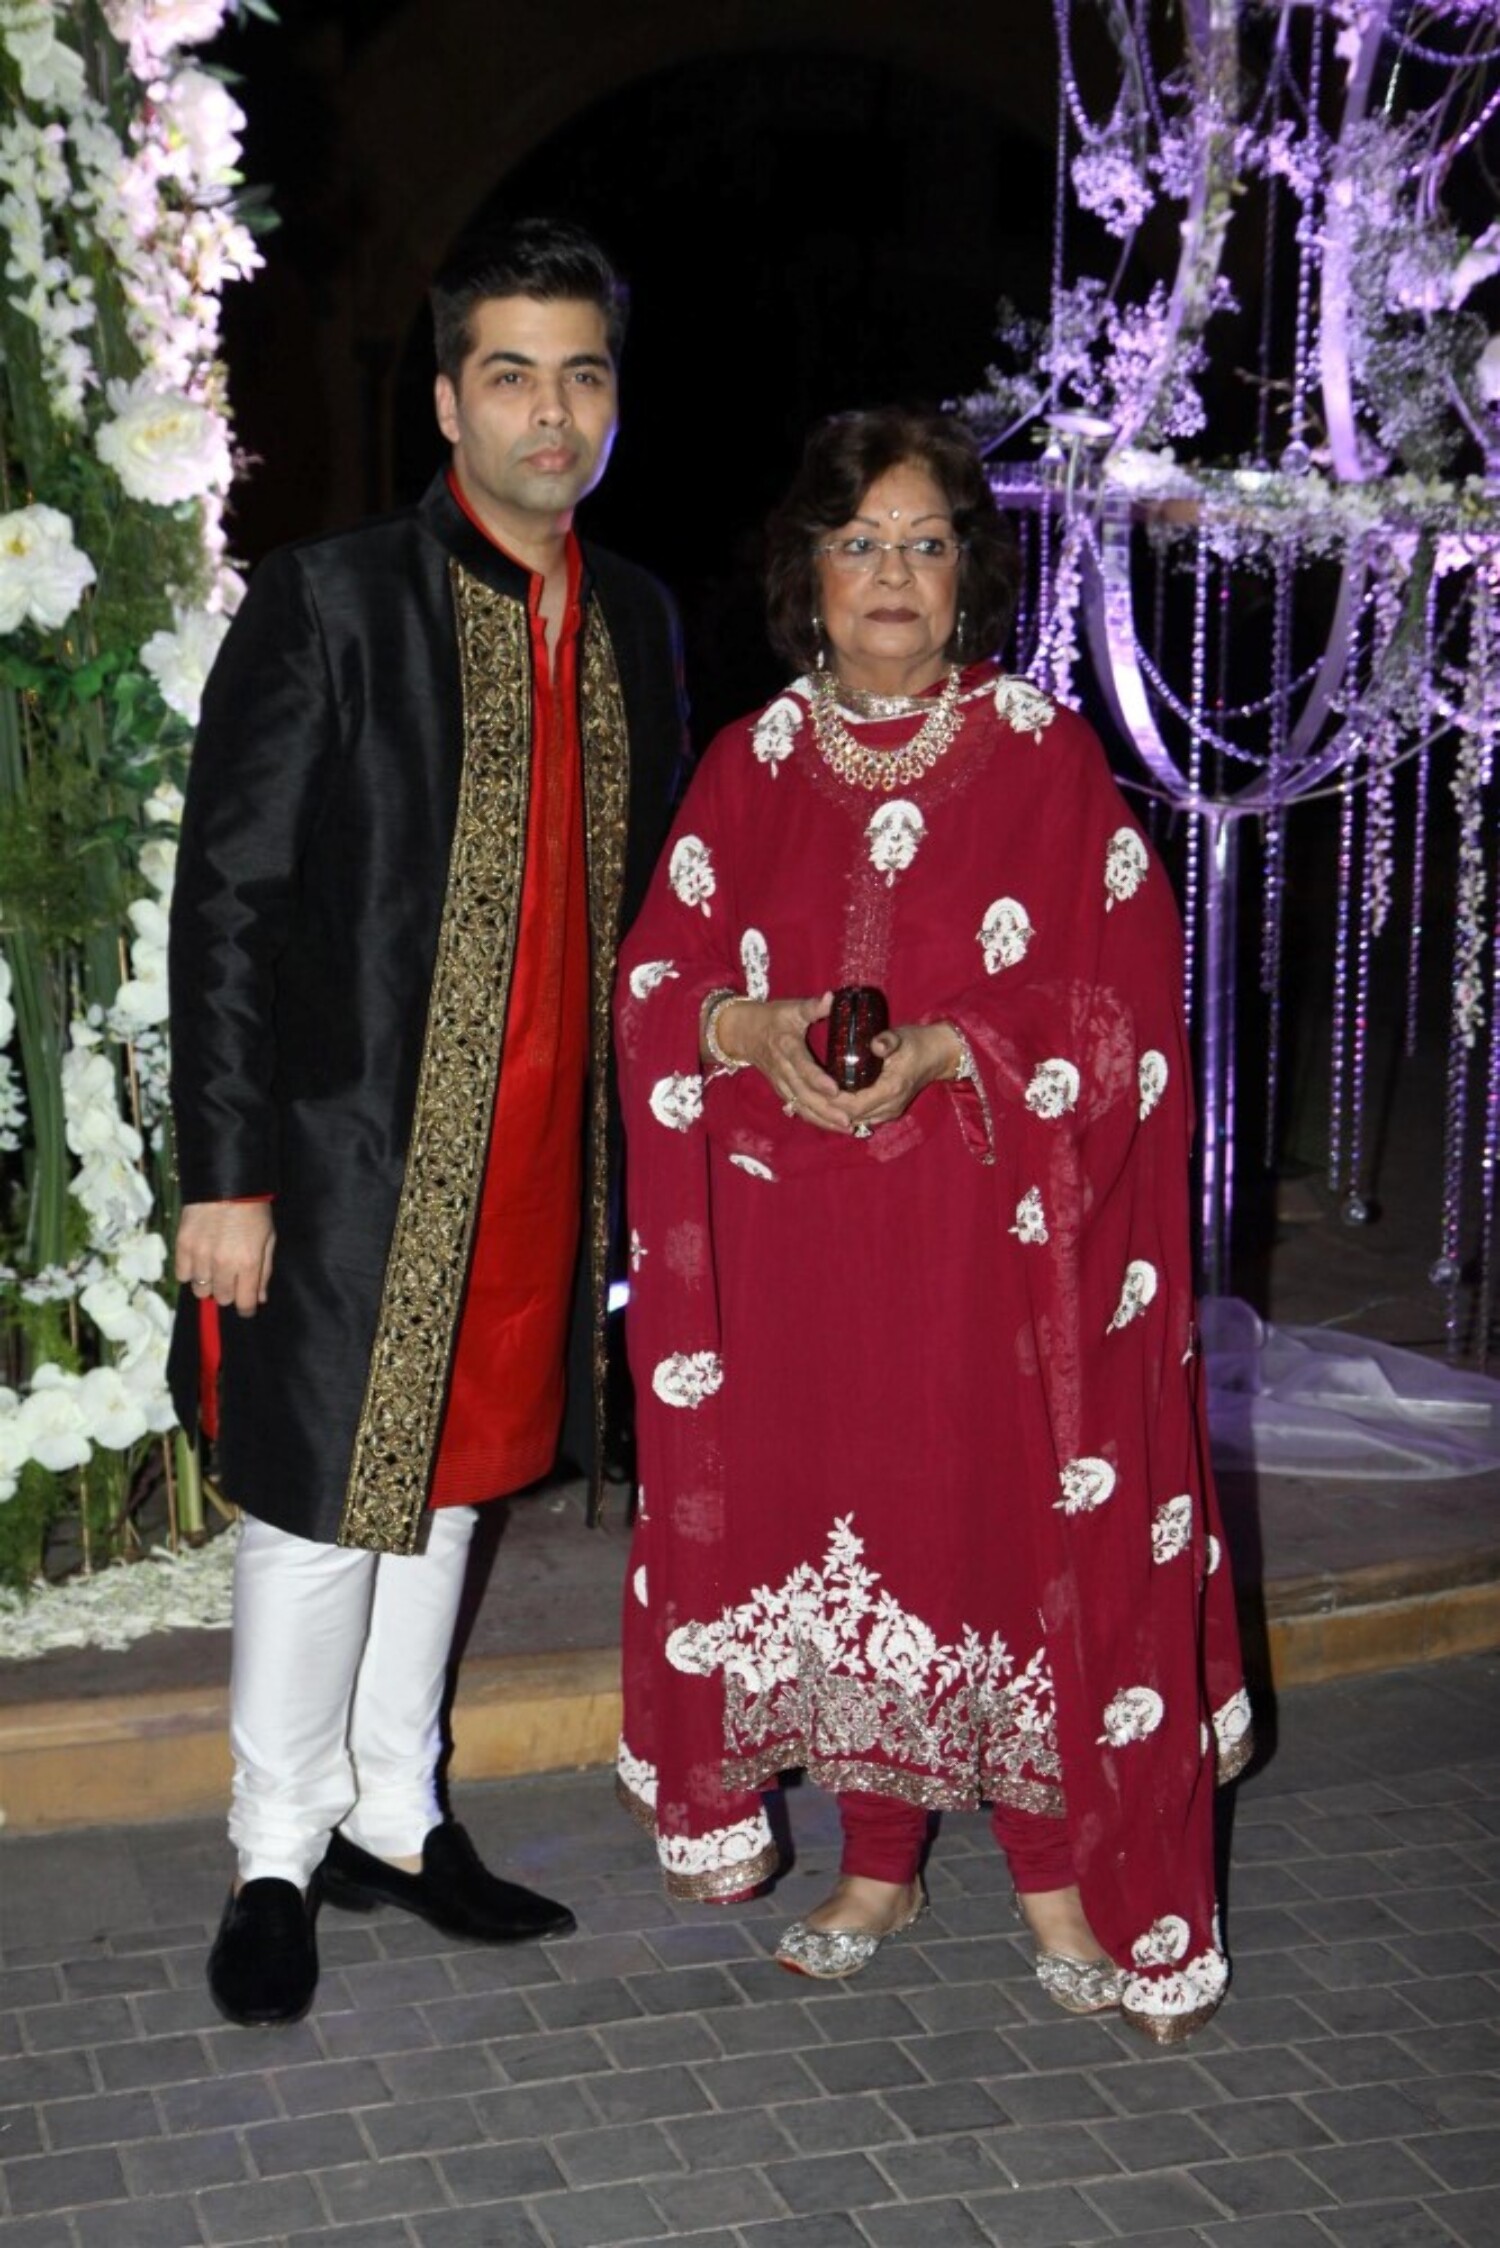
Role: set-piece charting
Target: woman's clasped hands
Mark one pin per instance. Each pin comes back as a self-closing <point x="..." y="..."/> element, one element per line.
<point x="771" y="1035"/>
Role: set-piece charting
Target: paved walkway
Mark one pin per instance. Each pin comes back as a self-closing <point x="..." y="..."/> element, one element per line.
<point x="658" y="2078"/>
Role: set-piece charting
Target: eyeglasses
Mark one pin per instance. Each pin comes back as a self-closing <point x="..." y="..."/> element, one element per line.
<point x="858" y="554"/>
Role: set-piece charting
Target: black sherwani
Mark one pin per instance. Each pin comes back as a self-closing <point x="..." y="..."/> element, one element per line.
<point x="343" y="928"/>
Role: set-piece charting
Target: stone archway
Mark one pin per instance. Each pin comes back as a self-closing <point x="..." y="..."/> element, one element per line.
<point x="441" y="104"/>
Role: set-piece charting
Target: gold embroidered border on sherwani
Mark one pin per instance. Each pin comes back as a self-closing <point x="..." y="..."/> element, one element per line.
<point x="426" y="1276"/>
<point x="606" y="798"/>
<point x="427" y="1268"/>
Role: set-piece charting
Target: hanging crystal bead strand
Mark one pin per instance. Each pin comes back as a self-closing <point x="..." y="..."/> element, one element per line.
<point x="1193" y="877"/>
<point x="1421" y="800"/>
<point x="1339" y="1042"/>
<point x="1477" y="726"/>
<point x="1273" y="885"/>
<point x="1296" y="457"/>
<point x="1052" y="456"/>
<point x="1489" y="1160"/>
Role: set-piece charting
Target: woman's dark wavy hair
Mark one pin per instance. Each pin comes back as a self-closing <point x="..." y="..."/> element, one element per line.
<point x="843" y="457"/>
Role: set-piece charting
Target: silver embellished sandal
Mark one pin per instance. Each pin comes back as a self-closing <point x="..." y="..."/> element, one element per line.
<point x="1078" y="1986"/>
<point x="830" y="1952"/>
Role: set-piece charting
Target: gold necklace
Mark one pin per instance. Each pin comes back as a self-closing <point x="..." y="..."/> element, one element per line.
<point x="883" y="769"/>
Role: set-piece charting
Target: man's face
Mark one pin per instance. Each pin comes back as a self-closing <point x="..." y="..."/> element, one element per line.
<point x="533" y="414"/>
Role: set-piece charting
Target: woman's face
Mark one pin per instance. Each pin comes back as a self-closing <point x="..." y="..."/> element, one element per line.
<point x="888" y="625"/>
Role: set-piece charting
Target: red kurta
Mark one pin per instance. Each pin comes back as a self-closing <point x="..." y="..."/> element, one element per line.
<point x="926" y="1506"/>
<point x="505" y="1399"/>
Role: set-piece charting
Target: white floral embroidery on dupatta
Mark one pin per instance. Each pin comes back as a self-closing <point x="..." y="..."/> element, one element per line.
<point x="1193" y="1989"/>
<point x="1031" y="1218"/>
<point x="1213" y="1555"/>
<point x="753" y="1166"/>
<point x="1172" y="1528"/>
<point x="1232" y="1722"/>
<point x="677" y="1102"/>
<point x="1164" y="1943"/>
<point x="690" y="871"/>
<point x="755" y="959"/>
<point x="688" y="1377"/>
<point x="721" y="1847"/>
<point x="1086" y="1483"/>
<point x="638" y="1775"/>
<point x="1136" y="1291"/>
<point x="1125" y="866"/>
<point x="1151" y="1076"/>
<point x="774" y="735"/>
<point x="894" y="833"/>
<point x="638" y="1586"/>
<point x="647" y="974"/>
<point x="638" y="1251"/>
<point x="1133" y="1715"/>
<point x="1053" y="1089"/>
<point x="1024" y="707"/>
<point x="1004" y="934"/>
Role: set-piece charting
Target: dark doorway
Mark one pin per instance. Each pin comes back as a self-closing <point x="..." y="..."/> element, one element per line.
<point x="803" y="232"/>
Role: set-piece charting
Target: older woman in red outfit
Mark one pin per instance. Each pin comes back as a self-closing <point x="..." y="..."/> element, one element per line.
<point x="926" y="1505"/>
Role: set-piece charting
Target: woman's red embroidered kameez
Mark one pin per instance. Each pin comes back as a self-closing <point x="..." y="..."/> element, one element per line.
<point x="926" y="1503"/>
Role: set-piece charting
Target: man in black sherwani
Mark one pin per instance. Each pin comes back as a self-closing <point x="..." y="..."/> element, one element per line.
<point x="434" y="766"/>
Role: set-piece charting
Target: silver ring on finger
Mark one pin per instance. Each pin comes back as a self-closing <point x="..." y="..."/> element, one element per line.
<point x="788" y="1108"/>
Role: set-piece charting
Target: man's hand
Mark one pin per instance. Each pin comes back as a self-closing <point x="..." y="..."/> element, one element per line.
<point x="225" y="1250"/>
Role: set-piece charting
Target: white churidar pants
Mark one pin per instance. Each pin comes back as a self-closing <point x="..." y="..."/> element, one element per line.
<point x="339" y="1664"/>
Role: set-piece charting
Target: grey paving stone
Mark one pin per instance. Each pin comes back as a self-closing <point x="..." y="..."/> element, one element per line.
<point x="865" y="2067"/>
<point x="160" y="2013"/>
<point x="421" y="2127"/>
<point x="160" y="2060"/>
<point x="311" y="2142"/>
<point x="1456" y="2049"/>
<point x="1360" y="2060"/>
<point x="716" y="2197"/>
<point x="928" y="2224"/>
<point x="700" y="1944"/>
<point x="1156" y="2142"/>
<point x="159" y="2223"/>
<point x="1388" y="2224"/>
<point x="1354" y="2013"/>
<point x="1051" y="2154"/>
<point x="216" y="2101"/>
<point x="845" y="2021"/>
<point x="1061" y="2044"/>
<point x="1380" y="2173"/>
<point x="375" y="2030"/>
<point x="639" y="2095"/>
<point x="1155" y="2202"/>
<point x="528" y="2060"/>
<point x="1258" y="2185"/>
<point x="827" y="2229"/>
<point x="364" y="2190"/>
<point x="105" y="2119"/>
<point x="738" y="2136"/>
<point x="41" y="2182"/>
<point x="570" y="2005"/>
<point x="49" y="2076"/>
<point x="426" y="2076"/>
<point x="1044" y="2217"/>
<point x="937" y="2110"/>
<point x="960" y="2055"/>
<point x="1456" y="1998"/>
<point x="528" y="2111"/>
<point x="383" y="2232"/>
<point x="759" y="2079"/>
<point x="941" y="2168"/>
<point x="1457" y="2101"/>
<point x="854" y="2119"/>
<point x="830" y="2181"/>
<point x="21" y="2133"/>
<point x="1155" y="2083"/>
<point x="99" y="1974"/>
<point x="1371" y="2111"/>
<point x="596" y="2218"/>
<point x="685" y="1990"/>
<point x="264" y="2211"/>
<point x="507" y="2172"/>
<point x="1263" y="2070"/>
<point x="1462" y="2159"/>
<point x="395" y="1982"/>
<point x="1272" y="2126"/>
<point x="615" y="2152"/>
<point x="39" y="2232"/>
<point x="768" y="2028"/>
<point x="651" y="2043"/>
<point x="1281" y="2231"/>
<point x="1474" y="2217"/>
<point x="472" y="2228"/>
<point x="183" y="2165"/>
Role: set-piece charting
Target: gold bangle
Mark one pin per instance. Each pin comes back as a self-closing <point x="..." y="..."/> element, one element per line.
<point x="716" y="1002"/>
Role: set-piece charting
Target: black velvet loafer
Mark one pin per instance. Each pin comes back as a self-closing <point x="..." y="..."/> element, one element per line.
<point x="454" y="1891"/>
<point x="263" y="1967"/>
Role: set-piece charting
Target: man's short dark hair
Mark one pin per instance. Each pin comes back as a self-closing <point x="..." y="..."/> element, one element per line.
<point x="843" y="458"/>
<point x="546" y="259"/>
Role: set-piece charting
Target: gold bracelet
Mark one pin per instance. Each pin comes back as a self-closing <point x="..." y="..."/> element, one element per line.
<point x="714" y="1006"/>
